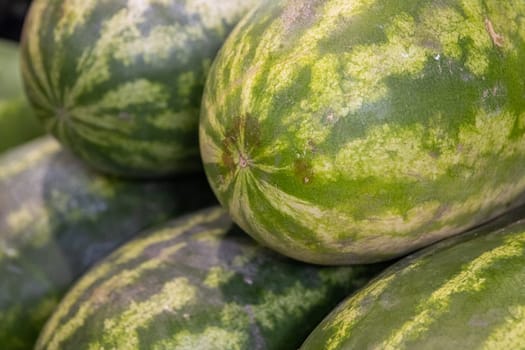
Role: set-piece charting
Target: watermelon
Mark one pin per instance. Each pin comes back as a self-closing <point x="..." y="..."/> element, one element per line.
<point x="58" y="217"/>
<point x="356" y="131"/>
<point x="120" y="82"/>
<point x="17" y="121"/>
<point x="197" y="283"/>
<point x="463" y="293"/>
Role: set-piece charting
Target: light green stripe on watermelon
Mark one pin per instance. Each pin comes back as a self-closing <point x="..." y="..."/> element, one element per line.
<point x="120" y="82"/>
<point x="511" y="334"/>
<point x="471" y="280"/>
<point x="464" y="293"/>
<point x="174" y="296"/>
<point x="346" y="132"/>
<point x="16" y="165"/>
<point x="123" y="279"/>
<point x="120" y="281"/>
<point x="17" y="122"/>
<point x="198" y="282"/>
<point x="58" y="217"/>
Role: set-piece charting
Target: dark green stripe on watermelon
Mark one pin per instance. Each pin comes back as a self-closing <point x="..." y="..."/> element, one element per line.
<point x="197" y="283"/>
<point x="463" y="293"/>
<point x="17" y="121"/>
<point x="57" y="218"/>
<point x="120" y="82"/>
<point x="355" y="131"/>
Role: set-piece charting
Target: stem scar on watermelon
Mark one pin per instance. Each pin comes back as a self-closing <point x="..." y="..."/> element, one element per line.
<point x="240" y="138"/>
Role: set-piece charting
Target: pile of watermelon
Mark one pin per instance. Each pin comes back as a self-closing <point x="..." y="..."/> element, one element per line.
<point x="263" y="174"/>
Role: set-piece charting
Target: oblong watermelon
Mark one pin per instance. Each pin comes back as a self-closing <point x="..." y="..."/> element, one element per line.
<point x="197" y="283"/>
<point x="18" y="123"/>
<point x="355" y="131"/>
<point x="464" y="293"/>
<point x="57" y="218"/>
<point x="120" y="82"/>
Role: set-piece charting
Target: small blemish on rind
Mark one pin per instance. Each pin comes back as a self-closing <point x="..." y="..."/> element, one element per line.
<point x="299" y="14"/>
<point x="124" y="116"/>
<point x="497" y="39"/>
<point x="303" y="170"/>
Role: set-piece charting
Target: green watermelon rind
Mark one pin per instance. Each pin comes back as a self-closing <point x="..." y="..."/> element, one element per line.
<point x="349" y="132"/>
<point x="120" y="83"/>
<point x="201" y="283"/>
<point x="463" y="293"/>
<point x="58" y="217"/>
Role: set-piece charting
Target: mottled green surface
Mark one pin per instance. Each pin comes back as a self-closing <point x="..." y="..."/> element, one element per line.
<point x="120" y="81"/>
<point x="57" y="218"/>
<point x="354" y="131"/>
<point x="17" y="122"/>
<point x="464" y="293"/>
<point x="198" y="283"/>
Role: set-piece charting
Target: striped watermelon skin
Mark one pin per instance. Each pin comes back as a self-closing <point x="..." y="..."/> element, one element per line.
<point x="120" y="82"/>
<point x="17" y="121"/>
<point x="58" y="217"/>
<point x="463" y="293"/>
<point x="197" y="283"/>
<point x="355" y="131"/>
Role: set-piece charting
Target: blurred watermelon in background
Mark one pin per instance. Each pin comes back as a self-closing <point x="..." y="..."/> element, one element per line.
<point x="17" y="122"/>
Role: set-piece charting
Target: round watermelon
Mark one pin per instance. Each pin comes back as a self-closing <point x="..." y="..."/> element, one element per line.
<point x="198" y="283"/>
<point x="120" y="82"/>
<point x="464" y="293"/>
<point x="58" y="217"/>
<point x="357" y="131"/>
